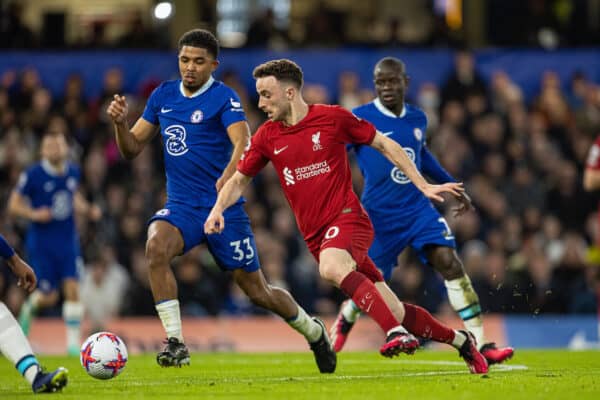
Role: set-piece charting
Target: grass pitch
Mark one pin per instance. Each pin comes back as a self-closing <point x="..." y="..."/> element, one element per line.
<point x="554" y="374"/>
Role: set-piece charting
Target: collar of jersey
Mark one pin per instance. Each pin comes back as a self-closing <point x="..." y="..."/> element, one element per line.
<point x="386" y="111"/>
<point x="198" y="92"/>
<point x="50" y="170"/>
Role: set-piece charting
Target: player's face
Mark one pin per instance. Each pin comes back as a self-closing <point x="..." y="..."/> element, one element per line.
<point x="195" y="66"/>
<point x="54" y="148"/>
<point x="390" y="85"/>
<point x="273" y="98"/>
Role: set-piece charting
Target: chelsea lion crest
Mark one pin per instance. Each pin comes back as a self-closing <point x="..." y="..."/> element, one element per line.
<point x="418" y="134"/>
<point x="197" y="117"/>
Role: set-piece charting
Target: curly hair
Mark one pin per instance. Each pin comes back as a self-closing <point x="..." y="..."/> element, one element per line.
<point x="282" y="70"/>
<point x="202" y="39"/>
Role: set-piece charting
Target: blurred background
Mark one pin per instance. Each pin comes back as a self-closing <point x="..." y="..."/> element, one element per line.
<point x="512" y="94"/>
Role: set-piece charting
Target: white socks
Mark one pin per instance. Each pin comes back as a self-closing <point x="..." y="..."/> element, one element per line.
<point x="459" y="339"/>
<point x="15" y="346"/>
<point x="170" y="316"/>
<point x="350" y="311"/>
<point x="72" y="314"/>
<point x="307" y="326"/>
<point x="465" y="302"/>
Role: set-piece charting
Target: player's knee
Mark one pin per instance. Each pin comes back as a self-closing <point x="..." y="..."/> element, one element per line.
<point x="157" y="252"/>
<point x="333" y="272"/>
<point x="450" y="266"/>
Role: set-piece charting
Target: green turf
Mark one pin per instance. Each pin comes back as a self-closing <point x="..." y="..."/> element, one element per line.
<point x="427" y="375"/>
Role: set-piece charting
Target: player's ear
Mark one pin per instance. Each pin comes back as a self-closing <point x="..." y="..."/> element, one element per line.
<point x="215" y="64"/>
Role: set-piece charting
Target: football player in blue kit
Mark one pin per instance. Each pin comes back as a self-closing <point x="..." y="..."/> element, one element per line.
<point x="401" y="215"/>
<point x="204" y="134"/>
<point x="47" y="196"/>
<point x="13" y="343"/>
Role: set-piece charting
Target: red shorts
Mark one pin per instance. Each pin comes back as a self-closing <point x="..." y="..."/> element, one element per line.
<point x="351" y="231"/>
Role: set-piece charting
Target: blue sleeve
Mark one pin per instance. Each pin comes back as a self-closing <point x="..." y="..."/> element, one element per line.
<point x="151" y="111"/>
<point x="6" y="251"/>
<point x="232" y="110"/>
<point x="431" y="167"/>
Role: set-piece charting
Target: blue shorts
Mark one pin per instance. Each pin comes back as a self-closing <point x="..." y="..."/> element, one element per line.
<point x="419" y="229"/>
<point x="232" y="249"/>
<point x="52" y="267"/>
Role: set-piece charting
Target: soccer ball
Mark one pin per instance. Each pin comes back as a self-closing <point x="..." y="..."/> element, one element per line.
<point x="103" y="355"/>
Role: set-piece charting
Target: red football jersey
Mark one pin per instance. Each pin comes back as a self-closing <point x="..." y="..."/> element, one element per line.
<point x="311" y="161"/>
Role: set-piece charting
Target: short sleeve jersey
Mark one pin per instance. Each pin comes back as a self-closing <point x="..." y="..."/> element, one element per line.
<point x="311" y="161"/>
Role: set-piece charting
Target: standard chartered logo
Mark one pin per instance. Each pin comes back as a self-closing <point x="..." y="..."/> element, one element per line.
<point x="305" y="172"/>
<point x="397" y="175"/>
<point x="289" y="178"/>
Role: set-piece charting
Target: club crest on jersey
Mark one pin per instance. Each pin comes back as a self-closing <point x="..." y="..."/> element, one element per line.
<point x="418" y="134"/>
<point x="197" y="117"/>
<point x="316" y="139"/>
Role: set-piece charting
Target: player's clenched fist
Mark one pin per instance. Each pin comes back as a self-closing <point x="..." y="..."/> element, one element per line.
<point x="117" y="109"/>
<point x="215" y="223"/>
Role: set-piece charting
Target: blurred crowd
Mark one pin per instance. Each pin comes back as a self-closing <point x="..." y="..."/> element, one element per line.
<point x="530" y="247"/>
<point x="318" y="23"/>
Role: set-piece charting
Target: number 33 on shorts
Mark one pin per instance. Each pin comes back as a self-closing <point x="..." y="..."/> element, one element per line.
<point x="242" y="250"/>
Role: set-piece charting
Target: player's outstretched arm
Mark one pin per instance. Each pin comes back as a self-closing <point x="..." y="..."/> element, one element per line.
<point x="397" y="156"/>
<point x="231" y="192"/>
<point x="18" y="206"/>
<point x="24" y="273"/>
<point x="26" y="278"/>
<point x="130" y="142"/>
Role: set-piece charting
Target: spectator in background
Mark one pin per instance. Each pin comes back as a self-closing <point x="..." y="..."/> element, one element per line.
<point x="103" y="287"/>
<point x="263" y="32"/>
<point x="464" y="80"/>
<point x="13" y="31"/>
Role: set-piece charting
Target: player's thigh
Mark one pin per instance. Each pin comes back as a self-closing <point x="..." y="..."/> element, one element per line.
<point x="435" y="234"/>
<point x="235" y="247"/>
<point x="351" y="232"/>
<point x="174" y="230"/>
<point x="385" y="250"/>
<point x="47" y="269"/>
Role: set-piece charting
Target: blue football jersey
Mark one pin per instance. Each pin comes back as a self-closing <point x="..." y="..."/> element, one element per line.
<point x="43" y="187"/>
<point x="388" y="193"/>
<point x="196" y="146"/>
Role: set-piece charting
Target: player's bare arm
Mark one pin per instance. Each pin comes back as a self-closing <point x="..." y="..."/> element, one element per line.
<point x="26" y="278"/>
<point x="231" y="192"/>
<point x="18" y="206"/>
<point x="397" y="156"/>
<point x="84" y="207"/>
<point x="239" y="134"/>
<point x="465" y="204"/>
<point x="130" y="141"/>
<point x="591" y="179"/>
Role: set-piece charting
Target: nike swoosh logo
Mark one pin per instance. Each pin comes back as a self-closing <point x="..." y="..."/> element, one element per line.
<point x="387" y="133"/>
<point x="277" y="151"/>
<point x="165" y="110"/>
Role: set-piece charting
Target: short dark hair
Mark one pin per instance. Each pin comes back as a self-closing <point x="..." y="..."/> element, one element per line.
<point x="282" y="70"/>
<point x="202" y="39"/>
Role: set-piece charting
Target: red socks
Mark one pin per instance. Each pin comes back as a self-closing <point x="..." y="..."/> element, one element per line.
<point x="420" y="322"/>
<point x="366" y="296"/>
